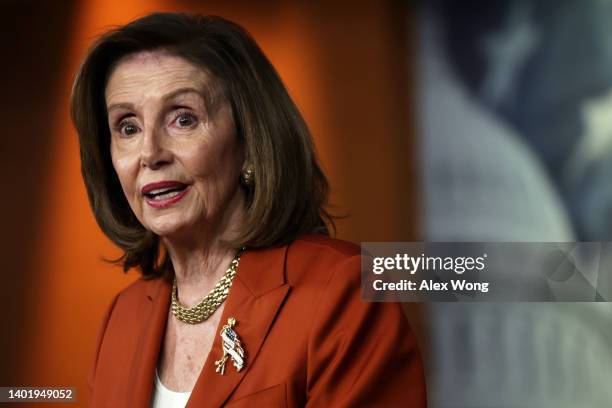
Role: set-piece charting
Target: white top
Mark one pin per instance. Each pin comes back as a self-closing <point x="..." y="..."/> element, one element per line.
<point x="165" y="398"/>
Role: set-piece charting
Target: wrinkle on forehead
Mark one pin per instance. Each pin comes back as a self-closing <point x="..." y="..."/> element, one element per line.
<point x="211" y="88"/>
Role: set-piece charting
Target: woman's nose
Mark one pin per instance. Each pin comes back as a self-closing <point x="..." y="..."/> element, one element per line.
<point x="154" y="153"/>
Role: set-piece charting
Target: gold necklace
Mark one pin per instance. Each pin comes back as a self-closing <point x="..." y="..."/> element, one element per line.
<point x="211" y="302"/>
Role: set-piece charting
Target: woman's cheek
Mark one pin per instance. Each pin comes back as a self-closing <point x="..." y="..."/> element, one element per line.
<point x="126" y="175"/>
<point x="197" y="162"/>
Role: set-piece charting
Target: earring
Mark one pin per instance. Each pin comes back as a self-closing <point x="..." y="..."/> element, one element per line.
<point x="248" y="178"/>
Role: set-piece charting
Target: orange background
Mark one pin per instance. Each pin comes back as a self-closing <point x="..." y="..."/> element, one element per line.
<point x="348" y="69"/>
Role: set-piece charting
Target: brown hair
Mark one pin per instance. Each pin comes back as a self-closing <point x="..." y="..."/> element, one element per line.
<point x="290" y="190"/>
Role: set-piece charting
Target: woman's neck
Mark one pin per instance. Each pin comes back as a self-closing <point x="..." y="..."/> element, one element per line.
<point x="201" y="259"/>
<point x="198" y="270"/>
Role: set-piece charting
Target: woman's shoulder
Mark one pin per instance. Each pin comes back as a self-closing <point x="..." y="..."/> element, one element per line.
<point x="323" y="245"/>
<point x="143" y="289"/>
<point x="316" y="258"/>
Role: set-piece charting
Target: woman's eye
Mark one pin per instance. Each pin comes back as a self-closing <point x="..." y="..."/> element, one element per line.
<point x="185" y="119"/>
<point x="127" y="128"/>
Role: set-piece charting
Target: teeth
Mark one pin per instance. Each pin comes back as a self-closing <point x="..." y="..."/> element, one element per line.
<point x="160" y="190"/>
<point x="165" y="196"/>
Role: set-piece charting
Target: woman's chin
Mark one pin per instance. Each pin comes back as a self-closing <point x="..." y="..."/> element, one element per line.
<point x="171" y="230"/>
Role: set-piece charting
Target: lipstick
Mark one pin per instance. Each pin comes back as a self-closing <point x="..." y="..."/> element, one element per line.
<point x="163" y="194"/>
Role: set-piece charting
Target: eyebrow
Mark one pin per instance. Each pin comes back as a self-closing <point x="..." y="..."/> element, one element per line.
<point x="127" y="105"/>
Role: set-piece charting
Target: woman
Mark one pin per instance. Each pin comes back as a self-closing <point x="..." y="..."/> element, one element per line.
<point x="200" y="167"/>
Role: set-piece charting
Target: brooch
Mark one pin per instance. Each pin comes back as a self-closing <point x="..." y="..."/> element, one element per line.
<point x="232" y="348"/>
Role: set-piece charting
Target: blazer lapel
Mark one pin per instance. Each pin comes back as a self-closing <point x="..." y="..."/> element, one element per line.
<point x="255" y="298"/>
<point x="152" y="330"/>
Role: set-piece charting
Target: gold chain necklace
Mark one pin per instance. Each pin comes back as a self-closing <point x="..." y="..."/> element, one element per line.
<point x="211" y="302"/>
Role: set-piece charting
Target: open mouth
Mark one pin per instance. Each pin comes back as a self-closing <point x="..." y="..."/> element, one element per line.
<point x="163" y="194"/>
<point x="160" y="194"/>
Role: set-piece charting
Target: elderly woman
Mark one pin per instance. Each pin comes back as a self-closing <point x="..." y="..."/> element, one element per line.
<point x="199" y="166"/>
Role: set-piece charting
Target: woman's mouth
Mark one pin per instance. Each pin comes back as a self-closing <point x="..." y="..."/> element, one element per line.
<point x="164" y="194"/>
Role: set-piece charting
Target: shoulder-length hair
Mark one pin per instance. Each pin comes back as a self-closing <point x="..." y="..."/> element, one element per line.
<point x="290" y="190"/>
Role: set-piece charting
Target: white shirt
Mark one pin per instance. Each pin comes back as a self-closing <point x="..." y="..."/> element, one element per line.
<point x="165" y="398"/>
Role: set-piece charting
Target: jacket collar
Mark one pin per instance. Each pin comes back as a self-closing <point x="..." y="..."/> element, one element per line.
<point x="256" y="295"/>
<point x="260" y="271"/>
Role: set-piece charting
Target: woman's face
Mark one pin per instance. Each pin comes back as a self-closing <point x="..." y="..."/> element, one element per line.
<point x="174" y="149"/>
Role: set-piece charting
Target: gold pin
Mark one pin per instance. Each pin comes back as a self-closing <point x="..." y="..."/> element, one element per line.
<point x="232" y="348"/>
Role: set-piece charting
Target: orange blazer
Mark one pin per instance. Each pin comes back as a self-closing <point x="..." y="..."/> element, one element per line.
<point x="309" y="339"/>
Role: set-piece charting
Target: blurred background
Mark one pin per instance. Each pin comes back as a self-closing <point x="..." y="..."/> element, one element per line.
<point x="514" y="132"/>
<point x="443" y="121"/>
